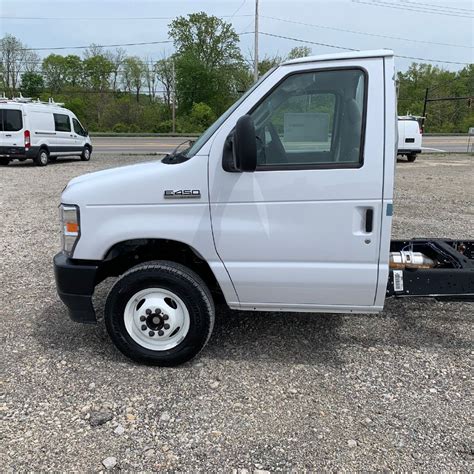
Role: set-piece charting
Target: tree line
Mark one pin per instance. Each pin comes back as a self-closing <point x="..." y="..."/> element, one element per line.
<point x="110" y="90"/>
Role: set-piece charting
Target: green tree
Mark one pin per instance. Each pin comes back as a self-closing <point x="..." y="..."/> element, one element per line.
<point x="207" y="58"/>
<point x="97" y="73"/>
<point x="133" y="74"/>
<point x="54" y="71"/>
<point x="32" y="84"/>
<point x="13" y="55"/>
<point x="73" y="70"/>
<point x="299" y="52"/>
<point x="267" y="63"/>
<point x="96" y="80"/>
<point x="210" y="40"/>
<point x="164" y="74"/>
<point x="201" y="116"/>
<point x="441" y="116"/>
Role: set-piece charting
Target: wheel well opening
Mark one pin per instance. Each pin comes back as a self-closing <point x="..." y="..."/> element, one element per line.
<point x="127" y="254"/>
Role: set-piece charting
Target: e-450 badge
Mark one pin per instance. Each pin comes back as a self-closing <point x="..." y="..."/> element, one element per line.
<point x="183" y="194"/>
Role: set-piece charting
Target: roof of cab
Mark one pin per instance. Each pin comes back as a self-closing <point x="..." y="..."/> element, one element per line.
<point x="377" y="53"/>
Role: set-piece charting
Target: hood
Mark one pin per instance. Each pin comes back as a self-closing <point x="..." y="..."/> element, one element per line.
<point x="143" y="183"/>
<point x="113" y="172"/>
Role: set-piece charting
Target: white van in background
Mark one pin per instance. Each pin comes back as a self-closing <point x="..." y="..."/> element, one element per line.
<point x="409" y="137"/>
<point x="41" y="131"/>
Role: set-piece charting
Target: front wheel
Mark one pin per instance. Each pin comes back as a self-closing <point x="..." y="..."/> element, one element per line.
<point x="160" y="313"/>
<point x="4" y="161"/>
<point x="86" y="154"/>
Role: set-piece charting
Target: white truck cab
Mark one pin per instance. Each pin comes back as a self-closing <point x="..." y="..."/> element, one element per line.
<point x="41" y="131"/>
<point x="283" y="204"/>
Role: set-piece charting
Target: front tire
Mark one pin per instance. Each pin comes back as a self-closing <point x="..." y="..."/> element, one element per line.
<point x="86" y="154"/>
<point x="411" y="157"/>
<point x="160" y="313"/>
<point x="4" y="161"/>
<point x="42" y="158"/>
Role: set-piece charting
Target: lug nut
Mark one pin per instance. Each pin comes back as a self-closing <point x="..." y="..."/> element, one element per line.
<point x="157" y="310"/>
<point x="142" y="318"/>
<point x="148" y="311"/>
<point x="151" y="333"/>
<point x="166" y="326"/>
<point x="166" y="317"/>
<point x="144" y="326"/>
<point x="160" y="333"/>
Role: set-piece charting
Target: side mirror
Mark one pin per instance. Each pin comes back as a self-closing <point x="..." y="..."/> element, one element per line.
<point x="240" y="152"/>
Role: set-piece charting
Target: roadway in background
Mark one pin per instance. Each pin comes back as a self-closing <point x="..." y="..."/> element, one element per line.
<point x="145" y="145"/>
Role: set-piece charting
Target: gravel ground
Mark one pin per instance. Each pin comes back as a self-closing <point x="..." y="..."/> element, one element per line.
<point x="270" y="391"/>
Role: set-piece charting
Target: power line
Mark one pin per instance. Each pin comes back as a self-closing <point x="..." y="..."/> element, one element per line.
<point x="363" y="33"/>
<point x="440" y="7"/>
<point x="98" y="46"/>
<point x="240" y="6"/>
<point x="104" y="18"/>
<point x="352" y="49"/>
<point x="416" y="7"/>
<point x="308" y="42"/>
<point x="431" y="60"/>
<point x="379" y="3"/>
<point x="111" y="45"/>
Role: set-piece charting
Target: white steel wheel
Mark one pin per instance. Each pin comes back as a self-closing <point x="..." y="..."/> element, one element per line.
<point x="159" y="313"/>
<point x="157" y="319"/>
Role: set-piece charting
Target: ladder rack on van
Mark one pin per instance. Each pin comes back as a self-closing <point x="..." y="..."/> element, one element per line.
<point x="29" y="100"/>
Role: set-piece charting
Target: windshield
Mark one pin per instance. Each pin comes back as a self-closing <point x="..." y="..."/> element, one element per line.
<point x="199" y="143"/>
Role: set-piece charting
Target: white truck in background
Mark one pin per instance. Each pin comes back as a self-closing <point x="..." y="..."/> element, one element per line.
<point x="40" y="131"/>
<point x="261" y="211"/>
<point x="409" y="137"/>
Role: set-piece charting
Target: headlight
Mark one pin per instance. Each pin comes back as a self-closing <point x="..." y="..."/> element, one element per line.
<point x="70" y="227"/>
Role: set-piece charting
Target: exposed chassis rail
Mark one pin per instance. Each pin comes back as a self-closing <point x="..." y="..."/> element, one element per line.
<point x="452" y="279"/>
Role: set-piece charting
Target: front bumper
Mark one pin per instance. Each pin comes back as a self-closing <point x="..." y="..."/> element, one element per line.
<point x="75" y="283"/>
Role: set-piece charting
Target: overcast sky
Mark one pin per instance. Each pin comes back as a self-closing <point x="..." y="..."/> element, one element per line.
<point x="102" y="22"/>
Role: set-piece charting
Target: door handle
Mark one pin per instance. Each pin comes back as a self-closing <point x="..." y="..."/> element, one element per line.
<point x="369" y="220"/>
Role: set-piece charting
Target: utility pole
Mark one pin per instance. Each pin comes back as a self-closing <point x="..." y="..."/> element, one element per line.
<point x="425" y="103"/>
<point x="173" y="101"/>
<point x="255" y="64"/>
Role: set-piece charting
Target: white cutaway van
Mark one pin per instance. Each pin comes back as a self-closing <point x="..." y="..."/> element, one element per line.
<point x="284" y="204"/>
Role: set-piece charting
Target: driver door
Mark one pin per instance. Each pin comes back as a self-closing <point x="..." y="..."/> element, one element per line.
<point x="303" y="230"/>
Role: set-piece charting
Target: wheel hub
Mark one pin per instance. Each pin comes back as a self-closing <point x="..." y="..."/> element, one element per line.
<point x="156" y="318"/>
<point x="155" y="321"/>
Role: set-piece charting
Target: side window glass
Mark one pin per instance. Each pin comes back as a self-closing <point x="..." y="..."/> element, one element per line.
<point x="12" y="120"/>
<point x="62" y="123"/>
<point x="312" y="119"/>
<point x="78" y="128"/>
